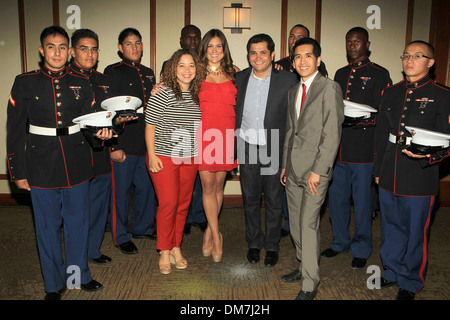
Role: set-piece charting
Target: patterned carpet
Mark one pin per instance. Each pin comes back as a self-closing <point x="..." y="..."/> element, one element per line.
<point x="136" y="277"/>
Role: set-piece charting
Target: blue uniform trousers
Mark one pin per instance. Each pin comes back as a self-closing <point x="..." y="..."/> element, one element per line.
<point x="405" y="223"/>
<point x="133" y="171"/>
<point x="100" y="199"/>
<point x="196" y="212"/>
<point x="53" y="208"/>
<point x="351" y="181"/>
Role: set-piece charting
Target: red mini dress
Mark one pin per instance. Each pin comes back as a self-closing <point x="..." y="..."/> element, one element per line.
<point x="216" y="132"/>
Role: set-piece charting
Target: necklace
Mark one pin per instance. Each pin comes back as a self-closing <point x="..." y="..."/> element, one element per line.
<point x="214" y="70"/>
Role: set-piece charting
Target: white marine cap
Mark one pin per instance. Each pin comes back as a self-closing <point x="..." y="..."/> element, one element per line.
<point x="356" y="110"/>
<point x="96" y="119"/>
<point x="429" y="138"/>
<point x="123" y="105"/>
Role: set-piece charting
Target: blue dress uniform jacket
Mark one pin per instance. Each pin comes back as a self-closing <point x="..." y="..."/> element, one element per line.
<point x="48" y="99"/>
<point x="139" y="81"/>
<point x="423" y="104"/>
<point x="101" y="88"/>
<point x="361" y="82"/>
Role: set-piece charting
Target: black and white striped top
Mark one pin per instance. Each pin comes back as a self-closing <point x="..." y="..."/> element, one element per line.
<point x="176" y="123"/>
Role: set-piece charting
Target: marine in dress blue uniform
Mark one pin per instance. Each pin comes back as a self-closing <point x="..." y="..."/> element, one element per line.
<point x="409" y="183"/>
<point x="53" y="160"/>
<point x="85" y="56"/>
<point x="361" y="81"/>
<point x="130" y="77"/>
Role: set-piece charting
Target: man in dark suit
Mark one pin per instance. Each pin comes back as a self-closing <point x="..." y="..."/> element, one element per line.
<point x="313" y="132"/>
<point x="261" y="106"/>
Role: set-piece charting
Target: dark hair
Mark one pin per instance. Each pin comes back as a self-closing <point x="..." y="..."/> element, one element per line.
<point x="428" y="45"/>
<point x="128" y="32"/>
<point x="190" y="26"/>
<point x="52" y="31"/>
<point x="227" y="62"/>
<point x="262" y="37"/>
<point x="170" y="74"/>
<point x="358" y="30"/>
<point x="317" y="51"/>
<point x="301" y="26"/>
<point x="79" y="34"/>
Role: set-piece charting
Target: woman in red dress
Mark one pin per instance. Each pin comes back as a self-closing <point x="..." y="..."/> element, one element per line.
<point x="217" y="100"/>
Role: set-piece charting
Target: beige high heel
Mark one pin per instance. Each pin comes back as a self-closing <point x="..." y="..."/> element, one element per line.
<point x="164" y="268"/>
<point x="207" y="250"/>
<point x="181" y="262"/>
<point x="217" y="256"/>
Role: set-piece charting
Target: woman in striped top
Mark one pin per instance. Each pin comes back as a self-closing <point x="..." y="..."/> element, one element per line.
<point x="172" y="118"/>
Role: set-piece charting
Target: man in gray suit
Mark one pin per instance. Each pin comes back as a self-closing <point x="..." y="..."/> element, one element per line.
<point x="313" y="133"/>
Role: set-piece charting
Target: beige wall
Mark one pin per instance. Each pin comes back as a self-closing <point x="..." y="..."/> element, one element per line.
<point x="109" y="17"/>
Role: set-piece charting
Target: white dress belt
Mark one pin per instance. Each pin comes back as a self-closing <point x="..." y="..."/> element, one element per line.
<point x="394" y="139"/>
<point x="54" y="132"/>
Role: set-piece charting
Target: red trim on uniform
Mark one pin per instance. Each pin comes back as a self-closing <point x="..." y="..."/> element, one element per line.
<point x="425" y="241"/>
<point x="113" y="205"/>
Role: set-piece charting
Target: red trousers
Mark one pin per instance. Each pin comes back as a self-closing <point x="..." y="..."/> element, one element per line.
<point x="173" y="185"/>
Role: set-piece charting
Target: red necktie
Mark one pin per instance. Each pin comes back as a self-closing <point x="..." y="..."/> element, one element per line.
<point x="303" y="96"/>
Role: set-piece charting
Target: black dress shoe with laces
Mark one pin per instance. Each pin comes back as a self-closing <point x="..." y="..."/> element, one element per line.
<point x="253" y="255"/>
<point x="294" y="276"/>
<point x="102" y="260"/>
<point x="304" y="295"/>
<point x="128" y="247"/>
<point x="92" y="286"/>
<point x="55" y="295"/>
<point x="358" y="263"/>
<point x="329" y="253"/>
<point x="271" y="258"/>
<point x="405" y="294"/>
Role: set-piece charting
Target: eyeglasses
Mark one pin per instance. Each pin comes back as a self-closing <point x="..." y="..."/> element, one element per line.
<point x="414" y="56"/>
<point x="86" y="50"/>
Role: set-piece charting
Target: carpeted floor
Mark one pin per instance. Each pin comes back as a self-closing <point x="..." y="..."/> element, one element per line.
<point x="136" y="277"/>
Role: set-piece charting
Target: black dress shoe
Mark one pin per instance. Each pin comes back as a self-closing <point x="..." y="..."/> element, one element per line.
<point x="271" y="258"/>
<point x="151" y="236"/>
<point x="329" y="253"/>
<point x="358" y="263"/>
<point x="102" y="260"/>
<point x="304" y="295"/>
<point x="203" y="226"/>
<point x="55" y="295"/>
<point x="405" y="294"/>
<point x="384" y="283"/>
<point x="128" y="248"/>
<point x="92" y="286"/>
<point x="284" y="233"/>
<point x="187" y="228"/>
<point x="294" y="276"/>
<point x="253" y="255"/>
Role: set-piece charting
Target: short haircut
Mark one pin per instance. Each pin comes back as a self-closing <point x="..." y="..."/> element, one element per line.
<point x="301" y="26"/>
<point x="79" y="34"/>
<point x="428" y="45"/>
<point x="358" y="30"/>
<point x="317" y="51"/>
<point x="53" y="31"/>
<point x="129" y="32"/>
<point x="261" y="37"/>
<point x="190" y="26"/>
